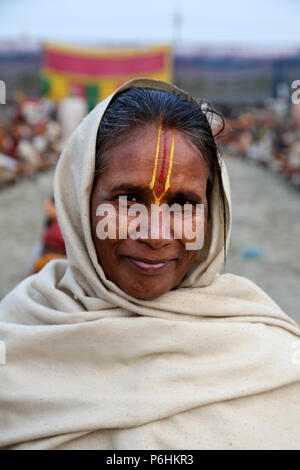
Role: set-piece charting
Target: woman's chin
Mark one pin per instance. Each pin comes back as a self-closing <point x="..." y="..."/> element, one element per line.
<point x="145" y="285"/>
<point x="146" y="292"/>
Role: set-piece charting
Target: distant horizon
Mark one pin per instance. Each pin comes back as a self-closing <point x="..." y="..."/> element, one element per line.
<point x="187" y="48"/>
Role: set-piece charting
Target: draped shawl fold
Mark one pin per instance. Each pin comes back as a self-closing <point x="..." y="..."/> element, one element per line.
<point x="210" y="365"/>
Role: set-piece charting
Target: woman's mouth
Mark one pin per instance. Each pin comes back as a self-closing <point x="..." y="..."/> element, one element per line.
<point x="149" y="266"/>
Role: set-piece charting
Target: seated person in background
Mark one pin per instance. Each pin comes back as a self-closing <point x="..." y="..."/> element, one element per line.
<point x="52" y="245"/>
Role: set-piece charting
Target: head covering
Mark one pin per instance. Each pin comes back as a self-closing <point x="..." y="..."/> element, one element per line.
<point x="208" y="365"/>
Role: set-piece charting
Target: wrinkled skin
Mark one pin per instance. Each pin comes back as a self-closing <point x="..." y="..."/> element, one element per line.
<point x="131" y="263"/>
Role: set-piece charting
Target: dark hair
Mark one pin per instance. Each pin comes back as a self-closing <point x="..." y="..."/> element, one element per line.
<point x="134" y="108"/>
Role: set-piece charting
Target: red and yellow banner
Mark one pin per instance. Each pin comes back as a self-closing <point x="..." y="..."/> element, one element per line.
<point x="98" y="72"/>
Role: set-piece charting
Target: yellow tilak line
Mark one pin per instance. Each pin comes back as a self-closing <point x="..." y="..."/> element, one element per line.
<point x="171" y="161"/>
<point x="157" y="199"/>
<point x="156" y="159"/>
<point x="167" y="185"/>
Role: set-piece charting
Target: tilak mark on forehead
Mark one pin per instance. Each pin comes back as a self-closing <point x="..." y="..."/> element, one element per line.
<point x="156" y="183"/>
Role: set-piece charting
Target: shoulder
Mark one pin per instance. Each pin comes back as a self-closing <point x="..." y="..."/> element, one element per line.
<point x="32" y="293"/>
<point x="241" y="287"/>
<point x="248" y="296"/>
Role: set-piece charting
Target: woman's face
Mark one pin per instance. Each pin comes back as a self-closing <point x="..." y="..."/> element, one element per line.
<point x="146" y="268"/>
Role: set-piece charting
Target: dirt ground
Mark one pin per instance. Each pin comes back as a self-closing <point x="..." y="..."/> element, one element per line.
<point x="265" y="239"/>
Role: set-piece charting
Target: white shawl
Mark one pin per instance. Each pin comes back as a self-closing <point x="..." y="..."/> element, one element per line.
<point x="210" y="365"/>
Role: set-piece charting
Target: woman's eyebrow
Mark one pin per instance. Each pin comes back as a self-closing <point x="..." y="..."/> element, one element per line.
<point x="128" y="187"/>
<point x="177" y="194"/>
<point x="186" y="195"/>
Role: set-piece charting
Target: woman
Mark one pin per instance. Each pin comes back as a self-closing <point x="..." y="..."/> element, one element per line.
<point x="139" y="343"/>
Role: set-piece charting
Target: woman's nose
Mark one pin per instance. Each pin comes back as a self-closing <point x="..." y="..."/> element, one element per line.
<point x="155" y="244"/>
<point x="159" y="233"/>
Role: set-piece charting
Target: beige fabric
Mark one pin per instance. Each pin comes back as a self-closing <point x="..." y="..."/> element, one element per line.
<point x="210" y="365"/>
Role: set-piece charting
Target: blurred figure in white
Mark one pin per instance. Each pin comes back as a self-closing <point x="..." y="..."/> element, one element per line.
<point x="71" y="111"/>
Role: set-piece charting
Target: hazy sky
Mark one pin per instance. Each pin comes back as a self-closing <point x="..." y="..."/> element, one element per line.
<point x="229" y="22"/>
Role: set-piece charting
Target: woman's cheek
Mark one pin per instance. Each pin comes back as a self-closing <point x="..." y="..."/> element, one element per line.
<point x="132" y="224"/>
<point x="124" y="225"/>
<point x="194" y="228"/>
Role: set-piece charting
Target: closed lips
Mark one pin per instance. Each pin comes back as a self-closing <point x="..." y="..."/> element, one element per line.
<point x="149" y="265"/>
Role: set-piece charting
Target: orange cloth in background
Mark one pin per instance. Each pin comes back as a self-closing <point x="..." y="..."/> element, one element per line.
<point x="43" y="260"/>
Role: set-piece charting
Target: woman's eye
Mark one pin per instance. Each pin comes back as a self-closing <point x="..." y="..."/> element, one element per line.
<point x="182" y="202"/>
<point x="130" y="197"/>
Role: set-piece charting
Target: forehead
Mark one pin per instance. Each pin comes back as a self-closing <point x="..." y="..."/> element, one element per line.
<point x="133" y="158"/>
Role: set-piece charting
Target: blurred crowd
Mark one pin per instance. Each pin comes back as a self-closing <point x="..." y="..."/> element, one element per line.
<point x="269" y="137"/>
<point x="29" y="138"/>
<point x="33" y="132"/>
